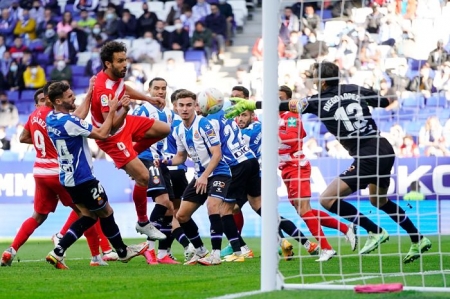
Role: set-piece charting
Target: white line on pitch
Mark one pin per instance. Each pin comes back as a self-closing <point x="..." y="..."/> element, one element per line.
<point x="239" y="295"/>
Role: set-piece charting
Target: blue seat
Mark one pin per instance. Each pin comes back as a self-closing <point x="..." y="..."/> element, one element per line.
<point x="48" y="70"/>
<point x="29" y="156"/>
<point x="437" y="100"/>
<point x="413" y="127"/>
<point x="380" y="114"/>
<point x="27" y="95"/>
<point x="405" y="114"/>
<point x="43" y="59"/>
<point x="77" y="70"/>
<point x="415" y="101"/>
<point x="9" y="156"/>
<point x="326" y="14"/>
<point x="25" y="107"/>
<point x="23" y="118"/>
<point x="13" y="96"/>
<point x="36" y="45"/>
<point x="197" y="57"/>
<point x="415" y="64"/>
<point x="80" y="82"/>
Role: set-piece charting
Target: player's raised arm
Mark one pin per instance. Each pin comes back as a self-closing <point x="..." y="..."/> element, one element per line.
<point x="136" y="95"/>
<point x="105" y="129"/>
<point x="82" y="111"/>
<point x="240" y="105"/>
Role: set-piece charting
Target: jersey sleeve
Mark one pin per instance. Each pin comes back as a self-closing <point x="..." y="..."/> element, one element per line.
<point x="373" y="99"/>
<point x="141" y="111"/>
<point x="180" y="145"/>
<point x="77" y="127"/>
<point x="208" y="132"/>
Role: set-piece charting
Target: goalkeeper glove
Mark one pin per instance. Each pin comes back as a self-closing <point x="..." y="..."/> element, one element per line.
<point x="240" y="105"/>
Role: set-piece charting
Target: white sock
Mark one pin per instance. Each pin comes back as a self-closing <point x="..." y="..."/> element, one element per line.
<point x="151" y="245"/>
<point x="245" y="248"/>
<point x="307" y="244"/>
<point x="162" y="253"/>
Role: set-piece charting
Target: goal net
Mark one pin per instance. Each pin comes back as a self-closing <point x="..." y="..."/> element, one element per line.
<point x="398" y="51"/>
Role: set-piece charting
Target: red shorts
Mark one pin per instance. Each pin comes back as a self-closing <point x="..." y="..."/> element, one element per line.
<point x="48" y="192"/>
<point x="297" y="181"/>
<point x="120" y="146"/>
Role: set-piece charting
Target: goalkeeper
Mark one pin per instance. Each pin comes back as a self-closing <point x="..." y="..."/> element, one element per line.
<point x="344" y="110"/>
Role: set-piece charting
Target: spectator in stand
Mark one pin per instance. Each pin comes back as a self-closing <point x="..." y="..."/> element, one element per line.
<point x="61" y="72"/>
<point x="42" y="25"/>
<point x="179" y="38"/>
<point x="34" y="76"/>
<point x="414" y="193"/>
<point x="187" y="18"/>
<point x="87" y="5"/>
<point x="314" y="49"/>
<point x="97" y="38"/>
<point x="422" y="83"/>
<point x="175" y="12"/>
<point x="26" y="26"/>
<point x="9" y="116"/>
<point x="5" y="143"/>
<point x="391" y="33"/>
<point x="310" y="19"/>
<point x="399" y="79"/>
<point x="438" y="56"/>
<point x="86" y="22"/>
<point x="346" y="53"/>
<point x="201" y="10"/>
<point x="3" y="47"/>
<point x="257" y="49"/>
<point x="17" y="49"/>
<point x="49" y="38"/>
<point x="409" y="148"/>
<point x="373" y="20"/>
<point x="218" y="26"/>
<point x="27" y="58"/>
<point x="15" y="10"/>
<point x="162" y="36"/>
<point x="5" y="62"/>
<point x="66" y="23"/>
<point x="62" y="49"/>
<point x="289" y="20"/>
<point x="431" y="138"/>
<point x="441" y="81"/>
<point x="149" y="53"/>
<point x="369" y="55"/>
<point x="395" y="137"/>
<point x="294" y="49"/>
<point x="94" y="64"/>
<point x="37" y="12"/>
<point x="146" y="22"/>
<point x="227" y="11"/>
<point x="127" y="25"/>
<point x="7" y="25"/>
<point x="14" y="77"/>
<point x="78" y="38"/>
<point x="202" y="39"/>
<point x="111" y="25"/>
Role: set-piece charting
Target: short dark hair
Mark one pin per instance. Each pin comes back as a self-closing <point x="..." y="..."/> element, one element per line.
<point x="286" y="90"/>
<point x="2" y="93"/>
<point x="327" y="71"/>
<point x="47" y="85"/>
<point x="36" y="94"/>
<point x="186" y="94"/>
<point x="56" y="90"/>
<point x="173" y="96"/>
<point x="156" y="79"/>
<point x="108" y="50"/>
<point x="242" y="89"/>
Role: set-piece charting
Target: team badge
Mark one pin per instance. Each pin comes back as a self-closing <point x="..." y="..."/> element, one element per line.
<point x="196" y="135"/>
<point x="156" y="180"/>
<point x="104" y="100"/>
<point x="211" y="133"/>
<point x="292" y="122"/>
<point x="100" y="200"/>
<point x="84" y="124"/>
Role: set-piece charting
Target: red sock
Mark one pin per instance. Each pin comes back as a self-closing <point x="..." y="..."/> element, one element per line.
<point x="239" y="220"/>
<point x="140" y="202"/>
<point x="25" y="231"/>
<point x="70" y="220"/>
<point x="328" y="221"/>
<point x="144" y="144"/>
<point x="314" y="227"/>
<point x="92" y="240"/>
<point x="104" y="243"/>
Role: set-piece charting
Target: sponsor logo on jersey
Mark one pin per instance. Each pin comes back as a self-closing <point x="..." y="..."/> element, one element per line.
<point x="219" y="184"/>
<point x="84" y="124"/>
<point x="211" y="133"/>
<point x="104" y="100"/>
<point x="292" y="122"/>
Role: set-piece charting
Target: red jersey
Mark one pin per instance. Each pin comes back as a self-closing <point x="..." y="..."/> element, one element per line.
<point x="46" y="163"/>
<point x="291" y="134"/>
<point x="103" y="88"/>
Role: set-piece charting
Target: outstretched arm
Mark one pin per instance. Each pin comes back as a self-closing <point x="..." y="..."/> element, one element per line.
<point x="82" y="111"/>
<point x="136" y="95"/>
<point x="241" y="105"/>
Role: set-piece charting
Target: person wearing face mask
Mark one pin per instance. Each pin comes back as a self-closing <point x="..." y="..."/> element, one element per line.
<point x="146" y="49"/>
<point x="218" y="25"/>
<point x="63" y="49"/>
<point x="94" y="64"/>
<point x="14" y="77"/>
<point x="61" y="72"/>
<point x="96" y="38"/>
<point x="227" y="11"/>
<point x="310" y="19"/>
<point x="34" y="76"/>
<point x="37" y="11"/>
<point x="127" y="25"/>
<point x="49" y="38"/>
<point x="179" y="38"/>
<point x="201" y="10"/>
<point x="26" y="26"/>
<point x="146" y="22"/>
<point x="314" y="49"/>
<point x="9" y="115"/>
<point x="112" y="24"/>
<point x="162" y="36"/>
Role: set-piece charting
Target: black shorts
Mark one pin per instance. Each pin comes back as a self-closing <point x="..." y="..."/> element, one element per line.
<point x="217" y="187"/>
<point x="90" y="194"/>
<point x="159" y="182"/>
<point x="179" y="182"/>
<point x="246" y="180"/>
<point x="373" y="165"/>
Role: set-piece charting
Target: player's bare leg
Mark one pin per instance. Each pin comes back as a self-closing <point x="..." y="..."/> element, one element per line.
<point x="158" y="131"/>
<point x="137" y="170"/>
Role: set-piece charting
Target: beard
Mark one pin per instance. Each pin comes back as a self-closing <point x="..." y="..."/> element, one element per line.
<point x="117" y="73"/>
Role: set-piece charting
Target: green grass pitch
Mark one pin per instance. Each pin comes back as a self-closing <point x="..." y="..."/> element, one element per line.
<point x="31" y="277"/>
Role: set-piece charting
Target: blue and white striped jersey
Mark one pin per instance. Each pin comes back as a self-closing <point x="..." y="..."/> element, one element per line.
<point x="196" y="141"/>
<point x="234" y="149"/>
<point x="69" y="134"/>
<point x="165" y="115"/>
<point x="252" y="136"/>
<point x="171" y="149"/>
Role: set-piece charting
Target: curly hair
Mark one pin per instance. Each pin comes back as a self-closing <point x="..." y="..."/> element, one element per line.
<point x="56" y="90"/>
<point x="108" y="50"/>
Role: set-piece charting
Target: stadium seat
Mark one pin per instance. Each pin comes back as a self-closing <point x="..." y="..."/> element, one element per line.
<point x="29" y="156"/>
<point x="13" y="96"/>
<point x="155" y="5"/>
<point x="27" y="95"/>
<point x="436" y="100"/>
<point x="394" y="62"/>
<point x="413" y="127"/>
<point x="43" y="59"/>
<point x="380" y="115"/>
<point x="23" y="118"/>
<point x="48" y="70"/>
<point x="83" y="58"/>
<point x="414" y="100"/>
<point x="326" y="14"/>
<point x="197" y="57"/>
<point x="77" y="70"/>
<point x="415" y="64"/>
<point x="127" y="42"/>
<point x="178" y="56"/>
<point x="36" y="45"/>
<point x="239" y="5"/>
<point x="304" y="64"/>
<point x="80" y="82"/>
<point x="9" y="156"/>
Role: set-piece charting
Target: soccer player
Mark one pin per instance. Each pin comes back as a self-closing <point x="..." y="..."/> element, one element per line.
<point x="130" y="135"/>
<point x="344" y="110"/>
<point x="196" y="137"/>
<point x="296" y="173"/>
<point x="159" y="186"/>
<point x="69" y="134"/>
<point x="46" y="175"/>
